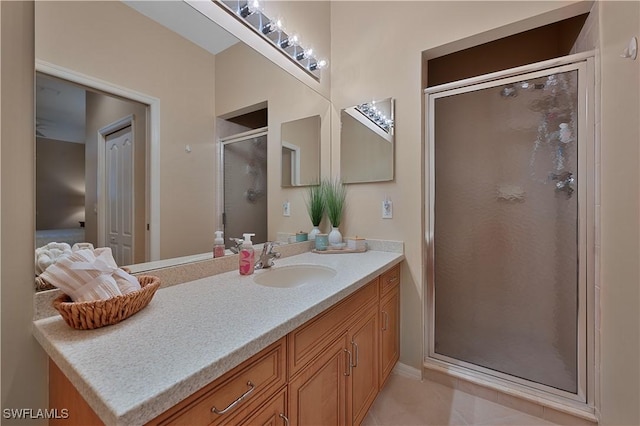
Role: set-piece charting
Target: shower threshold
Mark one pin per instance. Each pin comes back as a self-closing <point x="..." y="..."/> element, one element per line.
<point x="502" y="391"/>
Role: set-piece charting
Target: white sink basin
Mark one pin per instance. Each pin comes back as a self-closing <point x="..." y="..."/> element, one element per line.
<point x="293" y="275"/>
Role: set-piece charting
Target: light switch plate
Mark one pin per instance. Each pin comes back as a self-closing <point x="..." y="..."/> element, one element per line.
<point x="387" y="209"/>
<point x="286" y="209"/>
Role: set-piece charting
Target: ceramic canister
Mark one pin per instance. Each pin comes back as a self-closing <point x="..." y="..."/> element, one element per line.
<point x="322" y="241"/>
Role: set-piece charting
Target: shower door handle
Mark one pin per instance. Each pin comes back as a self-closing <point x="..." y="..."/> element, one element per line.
<point x="564" y="182"/>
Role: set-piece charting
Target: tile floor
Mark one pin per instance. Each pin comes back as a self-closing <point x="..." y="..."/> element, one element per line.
<point x="409" y="402"/>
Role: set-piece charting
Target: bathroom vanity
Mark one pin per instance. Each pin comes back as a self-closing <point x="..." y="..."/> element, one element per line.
<point x="225" y="350"/>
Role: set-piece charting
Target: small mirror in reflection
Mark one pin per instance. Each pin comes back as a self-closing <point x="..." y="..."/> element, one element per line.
<point x="301" y="152"/>
<point x="366" y="142"/>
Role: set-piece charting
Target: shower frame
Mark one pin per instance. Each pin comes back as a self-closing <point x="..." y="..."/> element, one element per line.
<point x="588" y="342"/>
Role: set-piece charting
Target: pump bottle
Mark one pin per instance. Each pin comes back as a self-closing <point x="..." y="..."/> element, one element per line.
<point x="218" y="245"/>
<point x="247" y="256"/>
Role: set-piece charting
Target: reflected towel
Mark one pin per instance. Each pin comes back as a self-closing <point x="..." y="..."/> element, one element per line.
<point x="88" y="275"/>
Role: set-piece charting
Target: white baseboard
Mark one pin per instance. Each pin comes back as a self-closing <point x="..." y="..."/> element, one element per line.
<point x="407" y="371"/>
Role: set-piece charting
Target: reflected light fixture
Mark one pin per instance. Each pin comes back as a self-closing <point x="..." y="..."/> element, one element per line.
<point x="251" y="13"/>
<point x="369" y="110"/>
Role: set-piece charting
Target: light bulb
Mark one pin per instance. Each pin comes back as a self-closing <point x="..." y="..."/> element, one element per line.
<point x="322" y="64"/>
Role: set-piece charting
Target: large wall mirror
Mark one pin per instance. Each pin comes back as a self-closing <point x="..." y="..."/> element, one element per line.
<point x="300" y="140"/>
<point x="367" y="142"/>
<point x="182" y="71"/>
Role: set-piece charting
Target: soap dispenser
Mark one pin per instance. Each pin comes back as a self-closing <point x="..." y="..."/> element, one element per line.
<point x="247" y="256"/>
<point x="218" y="245"/>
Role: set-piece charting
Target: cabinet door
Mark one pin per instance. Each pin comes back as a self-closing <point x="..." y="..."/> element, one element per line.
<point x="317" y="396"/>
<point x="272" y="413"/>
<point x="390" y="333"/>
<point x="363" y="338"/>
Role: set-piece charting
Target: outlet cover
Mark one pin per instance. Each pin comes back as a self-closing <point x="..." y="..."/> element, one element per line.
<point x="286" y="209"/>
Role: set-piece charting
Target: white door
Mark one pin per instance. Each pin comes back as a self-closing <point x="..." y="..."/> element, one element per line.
<point x="119" y="195"/>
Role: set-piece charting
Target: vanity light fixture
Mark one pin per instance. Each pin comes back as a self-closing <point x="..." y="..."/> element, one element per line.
<point x="251" y="13"/>
<point x="369" y="110"/>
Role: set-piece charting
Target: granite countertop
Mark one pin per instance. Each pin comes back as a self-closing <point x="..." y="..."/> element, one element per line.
<point x="192" y="333"/>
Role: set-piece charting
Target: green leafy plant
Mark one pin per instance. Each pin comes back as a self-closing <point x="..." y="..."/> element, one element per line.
<point x="335" y="195"/>
<point x="315" y="203"/>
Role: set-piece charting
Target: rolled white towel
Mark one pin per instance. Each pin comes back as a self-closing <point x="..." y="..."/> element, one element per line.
<point x="82" y="246"/>
<point x="49" y="254"/>
<point x="88" y="275"/>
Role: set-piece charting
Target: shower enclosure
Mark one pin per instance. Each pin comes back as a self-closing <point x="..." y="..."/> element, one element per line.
<point x="244" y="170"/>
<point x="508" y="228"/>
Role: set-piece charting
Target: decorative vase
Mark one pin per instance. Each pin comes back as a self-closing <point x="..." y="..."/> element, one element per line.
<point x="335" y="237"/>
<point x="312" y="234"/>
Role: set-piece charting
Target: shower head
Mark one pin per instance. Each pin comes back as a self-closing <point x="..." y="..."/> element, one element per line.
<point x="509" y="92"/>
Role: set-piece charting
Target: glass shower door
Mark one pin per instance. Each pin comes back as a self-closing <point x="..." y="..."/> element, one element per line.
<point x="505" y="229"/>
<point x="245" y="187"/>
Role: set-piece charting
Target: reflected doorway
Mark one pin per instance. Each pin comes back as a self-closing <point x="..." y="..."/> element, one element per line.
<point x="70" y="204"/>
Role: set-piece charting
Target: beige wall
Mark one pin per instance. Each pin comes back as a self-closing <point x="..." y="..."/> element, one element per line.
<point x="619" y="245"/>
<point x="114" y="43"/>
<point x="239" y="85"/>
<point x="24" y="368"/>
<point x="60" y="189"/>
<point x="101" y="111"/>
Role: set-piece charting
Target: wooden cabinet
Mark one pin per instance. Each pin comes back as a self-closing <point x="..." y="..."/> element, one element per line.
<point x="341" y="382"/>
<point x="317" y="395"/>
<point x="389" y="323"/>
<point x="326" y="372"/>
<point x="272" y="413"/>
<point x="363" y="379"/>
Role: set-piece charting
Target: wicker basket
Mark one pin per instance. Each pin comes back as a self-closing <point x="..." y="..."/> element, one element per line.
<point x="98" y="313"/>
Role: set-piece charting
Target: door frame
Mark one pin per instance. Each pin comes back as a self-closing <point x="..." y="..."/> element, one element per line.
<point x="587" y="380"/>
<point x="295" y="162"/>
<point x="103" y="133"/>
<point x="152" y="143"/>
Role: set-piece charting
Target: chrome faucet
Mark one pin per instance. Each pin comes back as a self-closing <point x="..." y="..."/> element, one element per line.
<point x="266" y="257"/>
<point x="237" y="245"/>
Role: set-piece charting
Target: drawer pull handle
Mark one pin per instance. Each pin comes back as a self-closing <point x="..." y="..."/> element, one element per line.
<point x="357" y="351"/>
<point x="385" y="323"/>
<point x="237" y="401"/>
<point x="286" y="420"/>
<point x="393" y="279"/>
<point x="349" y="364"/>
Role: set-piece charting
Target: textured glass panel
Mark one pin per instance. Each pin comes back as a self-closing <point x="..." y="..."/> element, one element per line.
<point x="245" y="189"/>
<point x="506" y="254"/>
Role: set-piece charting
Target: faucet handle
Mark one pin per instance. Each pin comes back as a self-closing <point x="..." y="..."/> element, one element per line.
<point x="269" y="246"/>
<point x="237" y="244"/>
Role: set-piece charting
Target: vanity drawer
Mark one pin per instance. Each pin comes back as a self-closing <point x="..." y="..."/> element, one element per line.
<point x="235" y="394"/>
<point x="389" y="280"/>
<point x="308" y="340"/>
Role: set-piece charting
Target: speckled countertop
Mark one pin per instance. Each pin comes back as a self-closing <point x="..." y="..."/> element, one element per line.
<point x="192" y="333"/>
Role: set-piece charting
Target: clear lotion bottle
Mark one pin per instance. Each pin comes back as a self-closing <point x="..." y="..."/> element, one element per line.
<point x="247" y="256"/>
